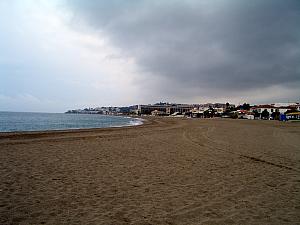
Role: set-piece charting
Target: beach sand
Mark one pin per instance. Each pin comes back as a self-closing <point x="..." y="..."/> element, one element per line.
<point x="167" y="171"/>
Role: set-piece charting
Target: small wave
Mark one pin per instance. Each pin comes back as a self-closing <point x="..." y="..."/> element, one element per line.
<point x="132" y="122"/>
<point x="136" y="122"/>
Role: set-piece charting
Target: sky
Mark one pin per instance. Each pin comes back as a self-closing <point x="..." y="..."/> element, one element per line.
<point x="68" y="54"/>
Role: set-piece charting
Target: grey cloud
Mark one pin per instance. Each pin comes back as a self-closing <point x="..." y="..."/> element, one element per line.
<point x="220" y="46"/>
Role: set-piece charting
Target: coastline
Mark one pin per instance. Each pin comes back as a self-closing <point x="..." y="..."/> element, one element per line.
<point x="47" y="133"/>
<point x="166" y="171"/>
<point x="135" y="121"/>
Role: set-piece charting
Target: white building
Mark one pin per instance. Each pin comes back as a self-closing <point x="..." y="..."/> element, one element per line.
<point x="270" y="108"/>
<point x="261" y="108"/>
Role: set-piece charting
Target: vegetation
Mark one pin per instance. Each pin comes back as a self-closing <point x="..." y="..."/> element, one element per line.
<point x="256" y="114"/>
<point x="265" y="114"/>
<point x="275" y="115"/>
<point x="209" y="113"/>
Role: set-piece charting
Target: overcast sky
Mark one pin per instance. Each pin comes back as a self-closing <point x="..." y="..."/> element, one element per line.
<point x="62" y="54"/>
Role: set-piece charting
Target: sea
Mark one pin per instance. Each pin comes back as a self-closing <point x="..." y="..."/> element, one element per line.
<point x="28" y="121"/>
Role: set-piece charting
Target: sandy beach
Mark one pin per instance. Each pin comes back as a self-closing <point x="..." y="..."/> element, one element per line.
<point x="167" y="171"/>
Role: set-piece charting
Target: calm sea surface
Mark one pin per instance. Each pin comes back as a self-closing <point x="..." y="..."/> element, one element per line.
<point x="25" y="121"/>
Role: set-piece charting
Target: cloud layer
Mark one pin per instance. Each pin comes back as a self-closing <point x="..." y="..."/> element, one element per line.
<point x="45" y="65"/>
<point x="56" y="55"/>
<point x="204" y="48"/>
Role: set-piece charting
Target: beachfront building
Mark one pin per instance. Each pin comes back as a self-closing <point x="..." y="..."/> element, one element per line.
<point x="166" y="109"/>
<point x="245" y="114"/>
<point x="214" y="105"/>
<point x="293" y="116"/>
<point x="284" y="107"/>
<point x="180" y="108"/>
<point x="158" y="113"/>
<point x="271" y="109"/>
<point x="196" y="113"/>
<point x="260" y="108"/>
<point x="148" y="109"/>
<point x="219" y="111"/>
<point x="295" y="106"/>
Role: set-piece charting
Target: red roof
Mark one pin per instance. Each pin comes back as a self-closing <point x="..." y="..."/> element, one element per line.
<point x="264" y="106"/>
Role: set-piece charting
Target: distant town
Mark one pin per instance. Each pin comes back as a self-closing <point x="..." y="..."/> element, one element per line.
<point x="275" y="111"/>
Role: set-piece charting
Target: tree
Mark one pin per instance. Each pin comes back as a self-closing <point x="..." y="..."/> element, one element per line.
<point x="227" y="105"/>
<point x="275" y="115"/>
<point x="209" y="113"/>
<point x="228" y="109"/>
<point x="265" y="114"/>
<point x="212" y="111"/>
<point x="206" y="114"/>
<point x="256" y="114"/>
<point x="246" y="106"/>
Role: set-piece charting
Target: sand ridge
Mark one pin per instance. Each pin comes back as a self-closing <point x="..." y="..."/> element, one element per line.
<point x="167" y="171"/>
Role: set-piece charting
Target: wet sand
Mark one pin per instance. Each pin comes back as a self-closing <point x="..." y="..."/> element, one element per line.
<point x="168" y="171"/>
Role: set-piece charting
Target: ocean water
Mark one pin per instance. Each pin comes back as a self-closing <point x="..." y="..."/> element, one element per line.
<point x="25" y="121"/>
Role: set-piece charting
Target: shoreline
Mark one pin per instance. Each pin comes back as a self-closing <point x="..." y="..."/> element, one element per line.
<point x="49" y="133"/>
<point x="146" y="122"/>
<point x="140" y="121"/>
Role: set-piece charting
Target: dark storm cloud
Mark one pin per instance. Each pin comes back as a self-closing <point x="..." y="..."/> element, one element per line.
<point x="205" y="45"/>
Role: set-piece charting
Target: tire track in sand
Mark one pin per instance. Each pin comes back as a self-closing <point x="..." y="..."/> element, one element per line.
<point x="215" y="148"/>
